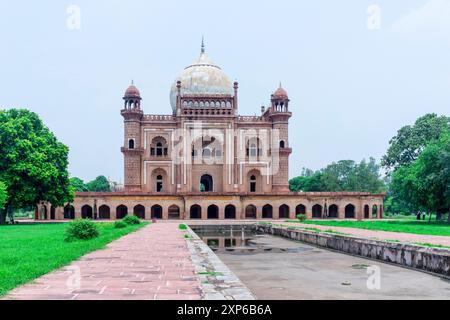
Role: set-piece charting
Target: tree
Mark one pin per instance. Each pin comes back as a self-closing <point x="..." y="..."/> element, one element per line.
<point x="345" y="175"/>
<point x="78" y="185"/>
<point x="3" y="195"/>
<point x="100" y="184"/>
<point x="410" y="141"/>
<point x="33" y="163"/>
<point x="425" y="183"/>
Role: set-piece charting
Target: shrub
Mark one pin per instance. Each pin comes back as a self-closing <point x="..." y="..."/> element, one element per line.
<point x="120" y="225"/>
<point x="131" y="220"/>
<point x="301" y="217"/>
<point x="182" y="226"/>
<point x="81" y="230"/>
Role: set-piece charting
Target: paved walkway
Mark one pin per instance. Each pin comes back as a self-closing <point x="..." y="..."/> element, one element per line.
<point x="151" y="264"/>
<point x="380" y="235"/>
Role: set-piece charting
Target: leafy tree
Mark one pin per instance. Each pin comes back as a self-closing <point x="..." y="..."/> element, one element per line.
<point x="33" y="163"/>
<point x="409" y="142"/>
<point x="309" y="181"/>
<point x="100" y="184"/>
<point x="3" y="195"/>
<point x="425" y="183"/>
<point x="78" y="185"/>
<point x="345" y="175"/>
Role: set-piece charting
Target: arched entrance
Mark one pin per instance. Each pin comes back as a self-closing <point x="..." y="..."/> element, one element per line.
<point x="366" y="212"/>
<point x="43" y="212"/>
<point x="284" y="211"/>
<point x="213" y="212"/>
<point x="52" y="213"/>
<point x="350" y="211"/>
<point x="121" y="212"/>
<point x="174" y="212"/>
<point x="139" y="211"/>
<point x="300" y="209"/>
<point x="230" y="212"/>
<point x="157" y="212"/>
<point x="267" y="212"/>
<point x="317" y="211"/>
<point x="86" y="212"/>
<point x="196" y="212"/>
<point x="333" y="211"/>
<point x="104" y="212"/>
<point x="374" y="211"/>
<point x="250" y="212"/>
<point x="206" y="183"/>
<point x="69" y="212"/>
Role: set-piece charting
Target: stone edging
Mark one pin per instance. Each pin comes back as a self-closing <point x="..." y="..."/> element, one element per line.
<point x="218" y="282"/>
<point x="431" y="260"/>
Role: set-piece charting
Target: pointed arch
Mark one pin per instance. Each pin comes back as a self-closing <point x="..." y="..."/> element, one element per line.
<point x="104" y="212"/>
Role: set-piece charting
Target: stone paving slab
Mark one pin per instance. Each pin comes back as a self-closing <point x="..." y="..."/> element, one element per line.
<point x="152" y="263"/>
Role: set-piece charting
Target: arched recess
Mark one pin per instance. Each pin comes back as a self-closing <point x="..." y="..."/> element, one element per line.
<point x="159" y="180"/>
<point x="250" y="212"/>
<point x="206" y="183"/>
<point x="69" y="212"/>
<point x="350" y="211"/>
<point x="104" y="212"/>
<point x="52" y="213"/>
<point x="333" y="211"/>
<point x="317" y="211"/>
<point x="213" y="212"/>
<point x="300" y="209"/>
<point x="196" y="212"/>
<point x="374" y="211"/>
<point x="174" y="212"/>
<point x="159" y="147"/>
<point x="43" y="212"/>
<point x="230" y="212"/>
<point x="86" y="212"/>
<point x="284" y="211"/>
<point x="267" y="212"/>
<point x="121" y="212"/>
<point x="366" y="211"/>
<point x="139" y="211"/>
<point x="157" y="212"/>
<point x="253" y="148"/>
<point x="254" y="181"/>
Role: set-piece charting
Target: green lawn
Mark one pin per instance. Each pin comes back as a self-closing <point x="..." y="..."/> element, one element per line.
<point x="403" y="226"/>
<point x="30" y="251"/>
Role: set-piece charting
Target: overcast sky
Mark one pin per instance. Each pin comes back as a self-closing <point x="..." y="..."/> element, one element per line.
<point x="353" y="79"/>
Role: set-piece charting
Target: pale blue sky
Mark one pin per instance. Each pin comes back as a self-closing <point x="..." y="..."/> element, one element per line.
<point x="351" y="88"/>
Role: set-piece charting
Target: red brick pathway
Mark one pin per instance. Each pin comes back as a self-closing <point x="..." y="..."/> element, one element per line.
<point x="150" y="264"/>
<point x="381" y="235"/>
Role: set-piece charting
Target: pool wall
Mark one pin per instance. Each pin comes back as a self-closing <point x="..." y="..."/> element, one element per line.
<point x="431" y="260"/>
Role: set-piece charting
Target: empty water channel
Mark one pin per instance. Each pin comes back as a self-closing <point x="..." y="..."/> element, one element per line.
<point x="277" y="268"/>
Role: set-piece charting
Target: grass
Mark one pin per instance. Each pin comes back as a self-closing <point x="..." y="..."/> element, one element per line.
<point x="210" y="273"/>
<point x="30" y="251"/>
<point x="431" y="245"/>
<point x="403" y="226"/>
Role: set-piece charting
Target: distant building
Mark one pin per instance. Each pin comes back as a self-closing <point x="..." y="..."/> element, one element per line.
<point x="205" y="161"/>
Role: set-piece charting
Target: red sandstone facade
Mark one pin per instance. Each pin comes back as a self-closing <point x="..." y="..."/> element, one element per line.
<point x="205" y="161"/>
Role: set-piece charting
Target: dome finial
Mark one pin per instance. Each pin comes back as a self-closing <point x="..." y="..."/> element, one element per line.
<point x="203" y="45"/>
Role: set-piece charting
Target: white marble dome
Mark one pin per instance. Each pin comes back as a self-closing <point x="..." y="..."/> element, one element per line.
<point x="203" y="77"/>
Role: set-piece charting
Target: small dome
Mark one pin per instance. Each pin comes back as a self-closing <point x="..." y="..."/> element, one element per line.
<point x="132" y="92"/>
<point x="202" y="78"/>
<point x="280" y="93"/>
